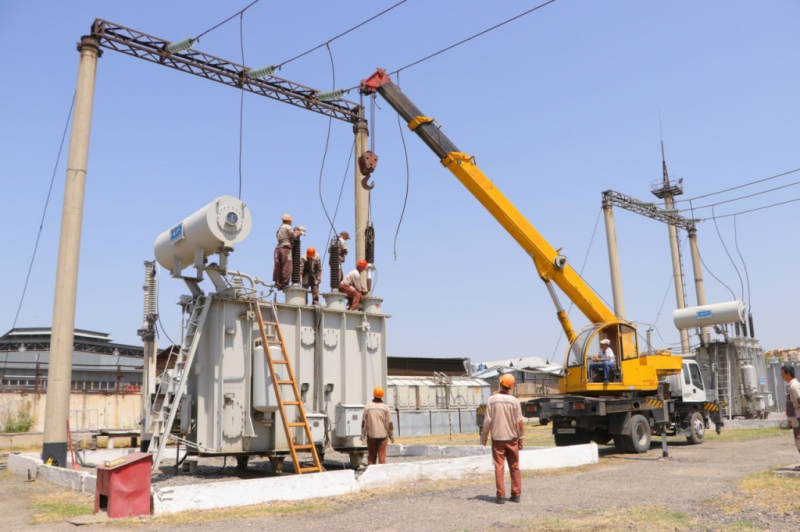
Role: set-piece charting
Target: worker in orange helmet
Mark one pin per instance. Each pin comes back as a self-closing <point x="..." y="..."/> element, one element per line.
<point x="503" y="421"/>
<point x="351" y="285"/>
<point x="377" y="428"/>
<point x="311" y="270"/>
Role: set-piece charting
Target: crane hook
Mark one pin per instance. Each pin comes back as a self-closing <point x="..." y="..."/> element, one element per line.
<point x="367" y="163"/>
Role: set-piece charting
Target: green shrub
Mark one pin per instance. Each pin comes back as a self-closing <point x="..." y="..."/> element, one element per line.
<point x="20" y="421"/>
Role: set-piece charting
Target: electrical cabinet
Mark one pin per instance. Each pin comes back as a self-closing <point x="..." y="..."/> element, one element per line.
<point x="348" y="420"/>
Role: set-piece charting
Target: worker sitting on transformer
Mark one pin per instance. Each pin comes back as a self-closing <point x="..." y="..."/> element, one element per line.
<point x="311" y="270"/>
<point x="605" y="360"/>
<point x="351" y="286"/>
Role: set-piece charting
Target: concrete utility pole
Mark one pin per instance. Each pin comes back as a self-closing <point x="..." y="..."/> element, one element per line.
<point x="59" y="377"/>
<point x="700" y="289"/>
<point x="361" y="131"/>
<point x="667" y="192"/>
<point x="613" y="258"/>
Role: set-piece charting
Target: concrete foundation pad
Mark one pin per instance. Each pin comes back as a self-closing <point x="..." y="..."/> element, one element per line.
<point x="249" y="492"/>
<point x="748" y="424"/>
<point x="450" y="451"/>
<point x="788" y="471"/>
<point x="69" y="478"/>
<point x="97" y="458"/>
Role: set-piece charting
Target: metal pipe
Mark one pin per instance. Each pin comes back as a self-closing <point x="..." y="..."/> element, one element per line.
<point x="63" y="330"/>
<point x="361" y="132"/>
<point x="613" y="258"/>
<point x="699" y="286"/>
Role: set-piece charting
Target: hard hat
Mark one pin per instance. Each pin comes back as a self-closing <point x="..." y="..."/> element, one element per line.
<point x="378" y="392"/>
<point x="507" y="380"/>
<point x="302" y="229"/>
<point x="310" y="252"/>
<point x="605" y="342"/>
<point x="362" y="263"/>
<point x="286" y="218"/>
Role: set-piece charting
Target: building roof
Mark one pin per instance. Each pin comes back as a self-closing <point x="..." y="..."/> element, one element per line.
<point x="425" y="366"/>
<point x="37" y="339"/>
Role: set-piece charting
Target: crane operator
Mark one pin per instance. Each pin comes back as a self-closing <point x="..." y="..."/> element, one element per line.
<point x="605" y="360"/>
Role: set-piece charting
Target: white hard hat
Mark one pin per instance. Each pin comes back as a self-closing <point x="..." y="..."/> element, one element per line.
<point x="302" y="229"/>
<point x="605" y="342"/>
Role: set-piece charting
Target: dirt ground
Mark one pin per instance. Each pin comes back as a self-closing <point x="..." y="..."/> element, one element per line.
<point x="701" y="487"/>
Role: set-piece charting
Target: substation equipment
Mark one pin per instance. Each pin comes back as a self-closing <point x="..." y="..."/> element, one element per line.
<point x="220" y="378"/>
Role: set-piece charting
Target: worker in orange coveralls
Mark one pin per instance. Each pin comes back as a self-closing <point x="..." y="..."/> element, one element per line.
<point x="377" y="428"/>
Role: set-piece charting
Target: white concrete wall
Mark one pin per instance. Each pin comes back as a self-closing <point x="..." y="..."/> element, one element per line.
<point x="116" y="411"/>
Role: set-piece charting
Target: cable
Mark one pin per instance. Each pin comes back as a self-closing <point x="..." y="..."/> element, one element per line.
<point x="327" y="143"/>
<point x="241" y="102"/>
<point x="751" y="210"/>
<point x="666" y="293"/>
<point x="227" y="20"/>
<point x="741" y="282"/>
<point x="745" y="197"/>
<point x="158" y="307"/>
<point x="408" y="177"/>
<point x="747" y="276"/>
<point x="473" y="37"/>
<point x="739" y="186"/>
<point x="44" y="213"/>
<point x="326" y="43"/>
<point x="709" y="270"/>
<point x="585" y="259"/>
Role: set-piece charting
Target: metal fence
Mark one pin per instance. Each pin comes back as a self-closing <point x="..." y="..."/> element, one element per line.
<point x="32" y="378"/>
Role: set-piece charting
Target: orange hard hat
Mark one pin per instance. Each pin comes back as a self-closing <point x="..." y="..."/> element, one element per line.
<point x="507" y="380"/>
<point x="310" y="252"/>
<point x="362" y="263"/>
<point x="378" y="392"/>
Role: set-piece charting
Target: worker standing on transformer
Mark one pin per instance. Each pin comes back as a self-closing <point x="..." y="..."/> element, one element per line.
<point x="311" y="270"/>
<point x="377" y="428"/>
<point x="503" y="421"/>
<point x="351" y="286"/>
<point x="282" y="269"/>
<point x="344" y="236"/>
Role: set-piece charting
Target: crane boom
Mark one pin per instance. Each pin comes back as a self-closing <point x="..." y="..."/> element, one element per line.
<point x="549" y="263"/>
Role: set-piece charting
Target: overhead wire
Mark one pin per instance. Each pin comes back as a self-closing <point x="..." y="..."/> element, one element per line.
<point x="329" y="41"/>
<point x="747" y="276"/>
<point x="241" y="102"/>
<point x="738" y="186"/>
<point x="741" y="282"/>
<point x="666" y="292"/>
<point x="712" y="273"/>
<point x="240" y="12"/>
<point x="717" y="217"/>
<point x="327" y="144"/>
<point x="743" y="197"/>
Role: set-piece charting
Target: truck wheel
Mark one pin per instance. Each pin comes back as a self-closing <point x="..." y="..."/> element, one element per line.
<point x="697" y="429"/>
<point x="619" y="444"/>
<point x="639" y="435"/>
<point x="601" y="437"/>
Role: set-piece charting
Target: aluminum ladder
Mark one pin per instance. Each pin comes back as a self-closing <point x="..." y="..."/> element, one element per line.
<point x="277" y="382"/>
<point x="172" y="386"/>
<point x="723" y="365"/>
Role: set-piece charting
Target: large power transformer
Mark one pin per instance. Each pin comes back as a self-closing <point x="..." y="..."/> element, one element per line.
<point x="219" y="377"/>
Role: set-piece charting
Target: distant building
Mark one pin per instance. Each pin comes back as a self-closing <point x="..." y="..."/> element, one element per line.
<point x="534" y="376"/>
<point x="98" y="364"/>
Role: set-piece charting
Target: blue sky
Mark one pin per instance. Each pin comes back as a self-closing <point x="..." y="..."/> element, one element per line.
<point x="557" y="107"/>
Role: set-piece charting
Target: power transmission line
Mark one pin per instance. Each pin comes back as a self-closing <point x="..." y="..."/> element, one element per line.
<point x="739" y="186"/>
<point x="717" y="217"/>
<point x="741" y="197"/>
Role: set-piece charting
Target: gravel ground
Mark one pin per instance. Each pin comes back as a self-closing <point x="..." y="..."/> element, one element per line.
<point x="694" y="475"/>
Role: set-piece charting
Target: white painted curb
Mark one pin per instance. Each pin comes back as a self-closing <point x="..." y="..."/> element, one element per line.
<point x="75" y="480"/>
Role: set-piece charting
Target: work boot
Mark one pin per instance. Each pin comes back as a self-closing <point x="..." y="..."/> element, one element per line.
<point x="514" y="498"/>
<point x="500" y="500"/>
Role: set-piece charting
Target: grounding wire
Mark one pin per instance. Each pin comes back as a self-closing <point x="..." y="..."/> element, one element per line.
<point x="746" y="275"/>
<point x="739" y="186"/>
<point x="408" y="177"/>
<point x="44" y="213"/>
<point x="158" y="305"/>
<point x="712" y="273"/>
<point x="741" y="282"/>
<point x="585" y="259"/>
<point x="743" y="197"/>
<point x="329" y="41"/>
<point x="241" y="102"/>
<point x="750" y="210"/>
<point x="240" y="12"/>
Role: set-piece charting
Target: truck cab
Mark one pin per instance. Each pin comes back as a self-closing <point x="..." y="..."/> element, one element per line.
<point x="688" y="385"/>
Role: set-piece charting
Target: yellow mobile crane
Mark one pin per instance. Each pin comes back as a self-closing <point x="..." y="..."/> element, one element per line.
<point x="625" y="408"/>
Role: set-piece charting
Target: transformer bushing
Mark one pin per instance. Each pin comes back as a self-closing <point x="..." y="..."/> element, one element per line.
<point x="296" y="248"/>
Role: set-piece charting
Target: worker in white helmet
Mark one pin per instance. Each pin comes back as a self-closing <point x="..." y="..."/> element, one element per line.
<point x="605" y="360"/>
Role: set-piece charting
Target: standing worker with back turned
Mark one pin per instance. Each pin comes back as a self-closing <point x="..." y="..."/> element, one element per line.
<point x="377" y="427"/>
<point x="792" y="403"/>
<point x="504" y="423"/>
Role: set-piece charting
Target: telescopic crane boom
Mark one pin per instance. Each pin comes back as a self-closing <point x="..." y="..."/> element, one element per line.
<point x="637" y="373"/>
